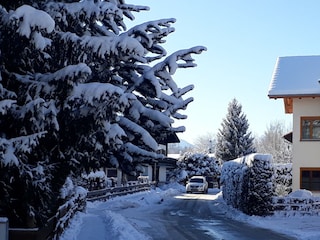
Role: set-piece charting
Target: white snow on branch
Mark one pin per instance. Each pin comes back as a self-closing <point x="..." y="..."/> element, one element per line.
<point x="179" y="129"/>
<point x="133" y="149"/>
<point x="30" y="18"/>
<point x="39" y="41"/>
<point x="106" y="12"/>
<point x="90" y="92"/>
<point x="152" y="32"/>
<point x="145" y="136"/>
<point x="105" y="46"/>
<point x="80" y="71"/>
<point x="5" y="105"/>
<point x="7" y="155"/>
<point x="159" y="76"/>
<point x="11" y="148"/>
<point x="115" y="132"/>
<point x="139" y="109"/>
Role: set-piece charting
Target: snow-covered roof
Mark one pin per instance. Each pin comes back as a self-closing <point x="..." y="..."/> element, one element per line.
<point x="295" y="76"/>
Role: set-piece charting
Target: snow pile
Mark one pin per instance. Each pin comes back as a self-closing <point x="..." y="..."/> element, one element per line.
<point x="120" y="227"/>
<point x="96" y="180"/>
<point x="247" y="184"/>
<point x="74" y="198"/>
<point x="105" y="220"/>
<point x="301" y="193"/>
<point x="117" y="218"/>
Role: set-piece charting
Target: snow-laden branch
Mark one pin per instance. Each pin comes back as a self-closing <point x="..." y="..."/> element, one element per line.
<point x="146" y="138"/>
<point x="93" y="13"/>
<point x="180" y="59"/>
<point x="5" y="105"/>
<point x="96" y="91"/>
<point x="151" y="34"/>
<point x="135" y="150"/>
<point x="138" y="109"/>
<point x="183" y="91"/>
<point x="128" y="8"/>
<point x="5" y="93"/>
<point x="159" y="76"/>
<point x="28" y="18"/>
<point x="117" y="45"/>
<point x="78" y="73"/>
<point x="12" y="148"/>
<point x="114" y="133"/>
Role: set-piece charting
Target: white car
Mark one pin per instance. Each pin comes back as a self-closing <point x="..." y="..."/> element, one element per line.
<point x="197" y="184"/>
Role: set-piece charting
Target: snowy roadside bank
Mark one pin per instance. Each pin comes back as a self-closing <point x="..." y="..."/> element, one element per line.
<point x="105" y="220"/>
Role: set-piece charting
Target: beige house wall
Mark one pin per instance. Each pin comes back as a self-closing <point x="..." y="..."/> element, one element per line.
<point x="305" y="153"/>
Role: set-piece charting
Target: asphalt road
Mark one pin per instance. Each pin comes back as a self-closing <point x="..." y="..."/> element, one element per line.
<point x="197" y="216"/>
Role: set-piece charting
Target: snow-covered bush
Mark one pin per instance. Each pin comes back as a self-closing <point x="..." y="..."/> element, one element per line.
<point x="73" y="199"/>
<point x="247" y="184"/>
<point x="190" y="164"/>
<point x="96" y="180"/>
<point x="283" y="179"/>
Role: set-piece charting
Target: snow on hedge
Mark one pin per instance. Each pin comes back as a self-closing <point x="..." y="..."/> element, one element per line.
<point x="283" y="179"/>
<point x="248" y="184"/>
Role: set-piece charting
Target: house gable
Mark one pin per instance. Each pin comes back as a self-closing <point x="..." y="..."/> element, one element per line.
<point x="295" y="77"/>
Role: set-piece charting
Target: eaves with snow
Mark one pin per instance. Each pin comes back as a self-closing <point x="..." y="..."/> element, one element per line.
<point x="295" y="77"/>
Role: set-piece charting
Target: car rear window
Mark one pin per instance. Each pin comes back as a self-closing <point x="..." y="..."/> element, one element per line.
<point x="197" y="180"/>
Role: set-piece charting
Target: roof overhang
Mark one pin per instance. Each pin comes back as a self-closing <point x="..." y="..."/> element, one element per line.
<point x="288" y="137"/>
<point x="295" y="77"/>
<point x="167" y="137"/>
<point x="288" y="100"/>
<point x="168" y="162"/>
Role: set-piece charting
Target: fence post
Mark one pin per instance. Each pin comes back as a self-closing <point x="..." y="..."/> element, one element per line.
<point x="4" y="228"/>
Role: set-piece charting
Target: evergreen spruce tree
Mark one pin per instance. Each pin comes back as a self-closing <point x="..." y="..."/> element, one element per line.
<point x="80" y="91"/>
<point x="233" y="139"/>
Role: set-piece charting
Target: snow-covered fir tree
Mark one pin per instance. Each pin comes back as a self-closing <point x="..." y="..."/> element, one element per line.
<point x="78" y="90"/>
<point x="233" y="138"/>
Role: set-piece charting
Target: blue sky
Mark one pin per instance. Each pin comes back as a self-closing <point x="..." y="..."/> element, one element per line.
<point x="244" y="39"/>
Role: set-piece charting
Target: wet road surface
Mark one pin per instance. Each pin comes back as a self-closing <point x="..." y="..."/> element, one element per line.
<point x="198" y="216"/>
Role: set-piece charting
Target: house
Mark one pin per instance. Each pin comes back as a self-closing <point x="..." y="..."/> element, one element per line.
<point x="296" y="80"/>
<point x="157" y="171"/>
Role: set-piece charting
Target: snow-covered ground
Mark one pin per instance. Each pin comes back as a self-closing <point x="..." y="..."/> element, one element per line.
<point x="105" y="220"/>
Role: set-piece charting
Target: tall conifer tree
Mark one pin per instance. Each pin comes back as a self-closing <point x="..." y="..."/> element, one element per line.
<point x="78" y="90"/>
<point x="233" y="138"/>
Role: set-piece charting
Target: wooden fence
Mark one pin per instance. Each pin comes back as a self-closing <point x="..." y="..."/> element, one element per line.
<point x="296" y="206"/>
<point x="106" y="193"/>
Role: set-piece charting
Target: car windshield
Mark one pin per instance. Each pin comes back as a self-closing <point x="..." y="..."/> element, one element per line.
<point x="196" y="180"/>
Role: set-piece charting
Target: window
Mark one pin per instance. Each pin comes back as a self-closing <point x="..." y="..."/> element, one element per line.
<point x="310" y="128"/>
<point x="310" y="179"/>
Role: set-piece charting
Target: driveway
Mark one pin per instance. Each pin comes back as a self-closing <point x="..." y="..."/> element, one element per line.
<point x="196" y="216"/>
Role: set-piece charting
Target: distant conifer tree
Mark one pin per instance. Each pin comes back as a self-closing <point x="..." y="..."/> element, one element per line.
<point x="233" y="139"/>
